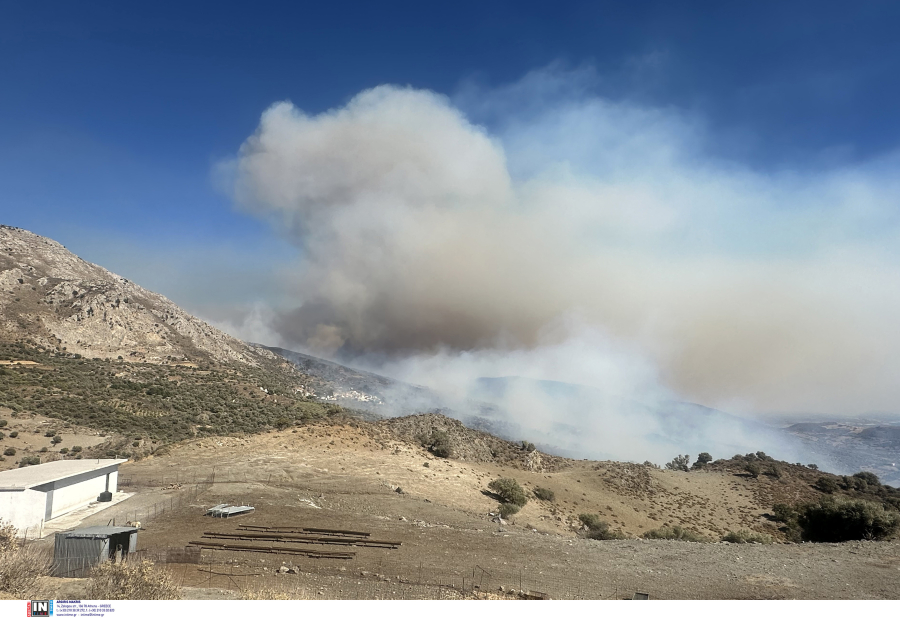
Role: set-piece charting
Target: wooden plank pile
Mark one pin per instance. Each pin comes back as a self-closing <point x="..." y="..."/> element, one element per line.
<point x="283" y="540"/>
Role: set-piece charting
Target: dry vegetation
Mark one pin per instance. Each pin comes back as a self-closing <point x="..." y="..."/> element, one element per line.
<point x="20" y="567"/>
<point x="107" y="408"/>
<point x="135" y="579"/>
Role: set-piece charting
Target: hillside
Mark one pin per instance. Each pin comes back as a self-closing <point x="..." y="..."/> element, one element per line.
<point x="85" y="352"/>
<point x="364" y="476"/>
<point x="51" y="297"/>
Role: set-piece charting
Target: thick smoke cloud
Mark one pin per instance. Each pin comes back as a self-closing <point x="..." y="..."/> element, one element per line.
<point x="428" y="240"/>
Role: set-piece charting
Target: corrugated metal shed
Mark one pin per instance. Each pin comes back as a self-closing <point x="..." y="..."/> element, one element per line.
<point x="97" y="532"/>
<point x="77" y="551"/>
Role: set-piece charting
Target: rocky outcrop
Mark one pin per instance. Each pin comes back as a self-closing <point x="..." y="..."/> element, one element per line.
<point x="51" y="297"/>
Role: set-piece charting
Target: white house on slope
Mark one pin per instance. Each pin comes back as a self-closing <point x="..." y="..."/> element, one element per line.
<point x="35" y="494"/>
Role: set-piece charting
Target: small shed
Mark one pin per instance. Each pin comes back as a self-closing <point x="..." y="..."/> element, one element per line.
<point x="76" y="552"/>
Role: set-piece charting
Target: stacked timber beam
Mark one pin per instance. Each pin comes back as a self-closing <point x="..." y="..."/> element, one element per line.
<point x="294" y="551"/>
<point x="298" y="530"/>
<point x="286" y="536"/>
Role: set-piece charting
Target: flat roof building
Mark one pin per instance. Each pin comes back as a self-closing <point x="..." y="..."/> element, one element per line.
<point x="33" y="495"/>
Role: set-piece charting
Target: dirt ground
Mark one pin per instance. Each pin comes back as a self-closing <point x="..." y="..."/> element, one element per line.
<point x="31" y="437"/>
<point x="360" y="478"/>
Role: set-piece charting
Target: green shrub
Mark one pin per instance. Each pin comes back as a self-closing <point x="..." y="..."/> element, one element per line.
<point x="3" y="422"/>
<point x="834" y="520"/>
<point x="438" y="442"/>
<point x="869" y="478"/>
<point x="10" y="452"/>
<point x="747" y="536"/>
<point x="702" y="460"/>
<point x="13" y="434"/>
<point x="752" y="469"/>
<point x="29" y="461"/>
<point x="679" y="463"/>
<point x="507" y="510"/>
<point x="826" y="484"/>
<point x="542" y="493"/>
<point x="784" y="513"/>
<point x="675" y="533"/>
<point x="509" y="491"/>
<point x="44" y="449"/>
<point x="56" y="439"/>
<point x="599" y="530"/>
<point x="63" y="450"/>
<point x="76" y="449"/>
<point x="591" y="520"/>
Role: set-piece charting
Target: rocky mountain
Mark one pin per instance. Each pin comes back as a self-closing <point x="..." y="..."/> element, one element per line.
<point x="51" y="297"/>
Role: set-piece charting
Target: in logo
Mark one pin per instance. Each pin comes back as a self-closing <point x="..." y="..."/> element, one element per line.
<point x="40" y="608"/>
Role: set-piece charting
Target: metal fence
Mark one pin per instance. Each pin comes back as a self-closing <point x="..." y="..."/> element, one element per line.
<point x="186" y="495"/>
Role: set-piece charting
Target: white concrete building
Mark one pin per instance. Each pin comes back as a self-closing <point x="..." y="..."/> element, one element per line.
<point x="33" y="495"/>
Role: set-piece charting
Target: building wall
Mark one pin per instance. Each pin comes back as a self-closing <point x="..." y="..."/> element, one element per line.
<point x="77" y="491"/>
<point x="28" y="508"/>
<point x="23" y="508"/>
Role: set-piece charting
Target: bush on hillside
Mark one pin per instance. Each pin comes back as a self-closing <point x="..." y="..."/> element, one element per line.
<point x="680" y="462"/>
<point x="747" y="536"/>
<point x="752" y="469"/>
<point x="509" y="491"/>
<point x="702" y="460"/>
<point x="599" y="530"/>
<point x="834" y="520"/>
<point x="870" y="478"/>
<point x="826" y="484"/>
<point x="438" y="443"/>
<point x="507" y="510"/>
<point x="591" y="521"/>
<point x="784" y="513"/>
<point x="675" y="533"/>
<point x="542" y="493"/>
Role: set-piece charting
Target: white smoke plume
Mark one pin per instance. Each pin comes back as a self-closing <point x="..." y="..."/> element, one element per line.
<point x="442" y="249"/>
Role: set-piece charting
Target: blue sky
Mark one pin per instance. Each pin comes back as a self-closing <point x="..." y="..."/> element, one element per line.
<point x="114" y="118"/>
